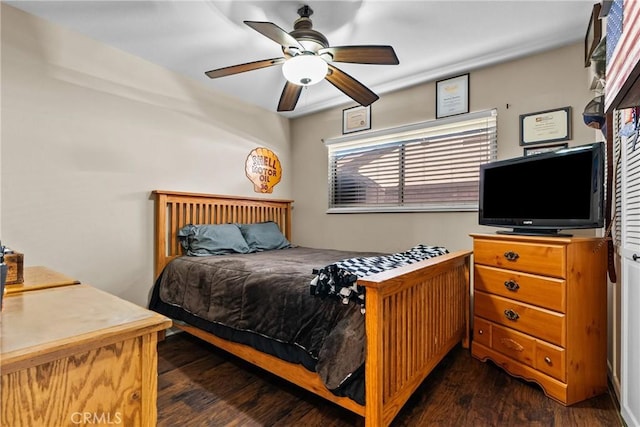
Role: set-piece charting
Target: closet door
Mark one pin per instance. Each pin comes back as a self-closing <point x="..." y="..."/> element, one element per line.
<point x="630" y="276"/>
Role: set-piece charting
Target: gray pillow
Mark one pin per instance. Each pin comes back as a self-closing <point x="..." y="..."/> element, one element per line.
<point x="264" y="236"/>
<point x="210" y="239"/>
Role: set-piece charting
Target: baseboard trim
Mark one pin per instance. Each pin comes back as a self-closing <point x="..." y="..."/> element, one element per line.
<point x="614" y="385"/>
<point x="614" y="393"/>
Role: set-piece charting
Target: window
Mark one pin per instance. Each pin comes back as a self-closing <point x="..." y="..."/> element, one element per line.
<point x="429" y="166"/>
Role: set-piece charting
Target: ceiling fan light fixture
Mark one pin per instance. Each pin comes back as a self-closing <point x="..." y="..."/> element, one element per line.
<point x="306" y="58"/>
<point x="305" y="69"/>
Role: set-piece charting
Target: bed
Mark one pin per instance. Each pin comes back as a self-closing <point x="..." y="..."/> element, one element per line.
<point x="415" y="314"/>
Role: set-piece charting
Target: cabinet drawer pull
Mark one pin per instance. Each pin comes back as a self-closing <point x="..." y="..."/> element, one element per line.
<point x="511" y="315"/>
<point x="511" y="344"/>
<point x="511" y="256"/>
<point x="547" y="360"/>
<point x="511" y="285"/>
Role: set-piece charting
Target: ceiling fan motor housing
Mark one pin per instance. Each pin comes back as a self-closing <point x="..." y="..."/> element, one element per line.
<point x="303" y="31"/>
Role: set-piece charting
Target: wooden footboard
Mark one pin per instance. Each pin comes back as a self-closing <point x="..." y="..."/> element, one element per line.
<point x="414" y="315"/>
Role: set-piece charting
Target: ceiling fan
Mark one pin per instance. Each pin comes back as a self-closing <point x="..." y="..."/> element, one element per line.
<point x="308" y="59"/>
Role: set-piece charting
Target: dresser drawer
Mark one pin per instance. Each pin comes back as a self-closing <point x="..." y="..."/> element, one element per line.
<point x="482" y="331"/>
<point x="547" y="292"/>
<point x="514" y="344"/>
<point x="531" y="351"/>
<point x="538" y="322"/>
<point x="547" y="260"/>
<point x="550" y="359"/>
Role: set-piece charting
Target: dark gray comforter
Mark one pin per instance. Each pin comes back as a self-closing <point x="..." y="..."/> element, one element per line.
<point x="267" y="293"/>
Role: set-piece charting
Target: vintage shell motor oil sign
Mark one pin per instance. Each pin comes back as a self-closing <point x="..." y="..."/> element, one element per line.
<point x="263" y="168"/>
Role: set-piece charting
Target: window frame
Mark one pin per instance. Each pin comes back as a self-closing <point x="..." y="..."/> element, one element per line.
<point x="402" y="137"/>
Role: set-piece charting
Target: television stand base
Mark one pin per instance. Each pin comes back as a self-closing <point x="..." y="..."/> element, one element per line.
<point x="548" y="232"/>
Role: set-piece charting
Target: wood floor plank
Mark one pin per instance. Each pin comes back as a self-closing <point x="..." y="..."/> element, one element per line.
<point x="200" y="385"/>
<point x="181" y="355"/>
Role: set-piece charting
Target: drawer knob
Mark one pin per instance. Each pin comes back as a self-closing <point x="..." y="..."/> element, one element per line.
<point x="511" y="285"/>
<point x="511" y="256"/>
<point x="480" y="332"/>
<point x="547" y="360"/>
<point x="511" y="315"/>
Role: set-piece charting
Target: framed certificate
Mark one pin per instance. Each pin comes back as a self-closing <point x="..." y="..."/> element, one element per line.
<point x="452" y="96"/>
<point x="356" y="118"/>
<point x="545" y="126"/>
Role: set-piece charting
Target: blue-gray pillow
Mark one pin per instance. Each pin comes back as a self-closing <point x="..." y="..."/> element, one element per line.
<point x="264" y="236"/>
<point x="212" y="239"/>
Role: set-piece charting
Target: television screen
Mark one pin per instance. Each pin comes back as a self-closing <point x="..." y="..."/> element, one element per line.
<point x="544" y="193"/>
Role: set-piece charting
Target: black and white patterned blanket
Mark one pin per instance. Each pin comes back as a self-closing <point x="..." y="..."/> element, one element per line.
<point x="339" y="280"/>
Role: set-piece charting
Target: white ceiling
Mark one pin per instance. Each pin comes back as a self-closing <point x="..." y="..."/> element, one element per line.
<point x="432" y="39"/>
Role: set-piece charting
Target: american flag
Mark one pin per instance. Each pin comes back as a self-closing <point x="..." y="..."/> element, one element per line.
<point x="623" y="47"/>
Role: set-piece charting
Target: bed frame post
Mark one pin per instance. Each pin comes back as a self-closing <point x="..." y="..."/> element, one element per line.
<point x="373" y="360"/>
<point x="466" y="339"/>
<point x="160" y="236"/>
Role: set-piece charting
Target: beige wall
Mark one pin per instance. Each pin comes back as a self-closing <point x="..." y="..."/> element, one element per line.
<point x="89" y="131"/>
<point x="545" y="81"/>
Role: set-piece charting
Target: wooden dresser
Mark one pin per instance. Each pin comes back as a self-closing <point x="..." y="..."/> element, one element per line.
<point x="75" y="355"/>
<point x="540" y="311"/>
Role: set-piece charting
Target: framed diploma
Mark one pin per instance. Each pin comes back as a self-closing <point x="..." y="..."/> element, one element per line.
<point x="356" y="118"/>
<point x="545" y="126"/>
<point x="452" y="96"/>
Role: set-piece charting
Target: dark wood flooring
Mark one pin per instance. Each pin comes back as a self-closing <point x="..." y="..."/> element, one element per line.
<point x="200" y="385"/>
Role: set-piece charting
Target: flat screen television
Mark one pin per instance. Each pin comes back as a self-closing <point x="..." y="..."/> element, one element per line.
<point x="544" y="193"/>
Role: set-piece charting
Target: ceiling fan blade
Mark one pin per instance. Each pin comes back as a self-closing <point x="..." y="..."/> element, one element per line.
<point x="241" y="68"/>
<point x="350" y="86"/>
<point x="289" y="97"/>
<point x="382" y="55"/>
<point x="275" y="33"/>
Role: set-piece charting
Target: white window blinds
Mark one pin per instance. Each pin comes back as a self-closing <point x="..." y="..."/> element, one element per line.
<point x="432" y="166"/>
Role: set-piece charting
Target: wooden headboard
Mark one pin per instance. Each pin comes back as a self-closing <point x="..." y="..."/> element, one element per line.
<point x="174" y="210"/>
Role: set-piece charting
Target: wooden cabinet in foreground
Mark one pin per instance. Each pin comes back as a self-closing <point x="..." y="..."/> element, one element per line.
<point x="540" y="311"/>
<point x="75" y="355"/>
<point x="39" y="277"/>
